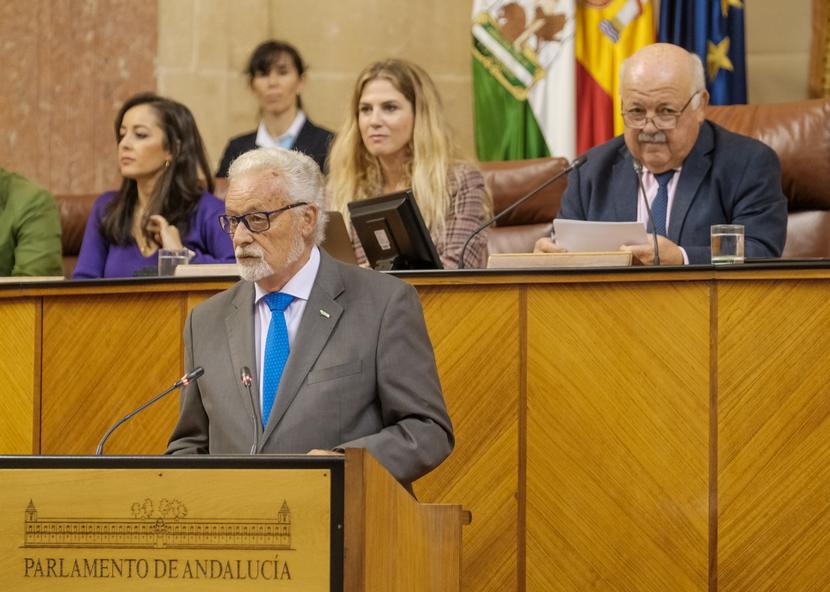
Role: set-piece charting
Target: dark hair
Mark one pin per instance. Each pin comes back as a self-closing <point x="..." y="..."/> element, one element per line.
<point x="265" y="56"/>
<point x="179" y="188"/>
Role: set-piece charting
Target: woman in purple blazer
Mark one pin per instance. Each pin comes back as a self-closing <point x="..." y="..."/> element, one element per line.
<point x="161" y="203"/>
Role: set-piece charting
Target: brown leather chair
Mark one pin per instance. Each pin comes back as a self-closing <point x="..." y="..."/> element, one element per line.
<point x="799" y="132"/>
<point x="74" y="212"/>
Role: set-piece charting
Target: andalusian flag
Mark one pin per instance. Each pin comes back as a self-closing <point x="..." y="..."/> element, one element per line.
<point x="607" y="32"/>
<point x="524" y="78"/>
<point x="714" y="30"/>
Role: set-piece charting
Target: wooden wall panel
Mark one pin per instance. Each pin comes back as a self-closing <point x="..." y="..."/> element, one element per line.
<point x="475" y="333"/>
<point x="618" y="429"/>
<point x="136" y="354"/>
<point x="19" y="374"/>
<point x="774" y="436"/>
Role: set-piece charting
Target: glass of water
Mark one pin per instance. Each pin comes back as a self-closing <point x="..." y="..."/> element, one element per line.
<point x="727" y="244"/>
<point x="169" y="259"/>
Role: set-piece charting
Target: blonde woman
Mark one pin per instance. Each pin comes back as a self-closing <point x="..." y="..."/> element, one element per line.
<point x="396" y="137"/>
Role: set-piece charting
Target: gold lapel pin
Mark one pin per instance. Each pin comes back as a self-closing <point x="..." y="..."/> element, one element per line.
<point x="324" y="314"/>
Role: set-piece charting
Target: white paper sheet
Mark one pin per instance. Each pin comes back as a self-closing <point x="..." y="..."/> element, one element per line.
<point x="580" y="236"/>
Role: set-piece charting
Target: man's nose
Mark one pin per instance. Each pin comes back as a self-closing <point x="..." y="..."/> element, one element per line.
<point x="650" y="127"/>
<point x="241" y="235"/>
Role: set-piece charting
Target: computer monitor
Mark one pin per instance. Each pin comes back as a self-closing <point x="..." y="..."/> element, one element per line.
<point x="393" y="234"/>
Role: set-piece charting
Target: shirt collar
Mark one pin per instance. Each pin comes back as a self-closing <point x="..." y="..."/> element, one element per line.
<point x="266" y="140"/>
<point x="300" y="284"/>
<point x="650" y="179"/>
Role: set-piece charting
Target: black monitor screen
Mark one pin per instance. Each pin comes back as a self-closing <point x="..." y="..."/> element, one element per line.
<point x="393" y="234"/>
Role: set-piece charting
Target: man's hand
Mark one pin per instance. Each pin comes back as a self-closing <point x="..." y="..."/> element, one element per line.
<point x="319" y="452"/>
<point x="670" y="253"/>
<point x="546" y="245"/>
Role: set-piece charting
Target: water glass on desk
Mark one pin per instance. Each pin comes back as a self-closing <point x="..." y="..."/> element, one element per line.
<point x="169" y="259"/>
<point x="727" y="244"/>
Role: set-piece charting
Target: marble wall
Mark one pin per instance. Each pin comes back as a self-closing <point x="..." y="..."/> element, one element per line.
<point x="204" y="46"/>
<point x="67" y="66"/>
<point x="778" y="36"/>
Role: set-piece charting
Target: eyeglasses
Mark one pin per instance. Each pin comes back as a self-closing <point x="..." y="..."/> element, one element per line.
<point x="254" y="221"/>
<point x="664" y="119"/>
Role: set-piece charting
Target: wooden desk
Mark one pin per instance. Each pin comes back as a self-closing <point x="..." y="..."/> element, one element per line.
<point x="628" y="430"/>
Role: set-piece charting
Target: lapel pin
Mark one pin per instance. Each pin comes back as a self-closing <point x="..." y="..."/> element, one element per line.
<point x="324" y="314"/>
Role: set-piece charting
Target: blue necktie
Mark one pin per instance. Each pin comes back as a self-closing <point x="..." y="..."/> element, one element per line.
<point x="659" y="207"/>
<point x="276" y="350"/>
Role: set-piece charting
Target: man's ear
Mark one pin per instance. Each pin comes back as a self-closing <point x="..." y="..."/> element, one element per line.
<point x="309" y="218"/>
<point x="704" y="101"/>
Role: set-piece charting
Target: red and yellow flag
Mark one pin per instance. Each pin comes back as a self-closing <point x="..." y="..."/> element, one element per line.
<point x="607" y="32"/>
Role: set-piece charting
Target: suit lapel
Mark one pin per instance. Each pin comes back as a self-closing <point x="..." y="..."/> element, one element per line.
<point x="312" y="335"/>
<point x="623" y="188"/>
<point x="239" y="325"/>
<point x="695" y="168"/>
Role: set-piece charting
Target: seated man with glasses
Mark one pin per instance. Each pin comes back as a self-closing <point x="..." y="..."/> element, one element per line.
<point x="307" y="354"/>
<point x="694" y="173"/>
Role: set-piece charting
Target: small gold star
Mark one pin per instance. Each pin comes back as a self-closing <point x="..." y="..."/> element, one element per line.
<point x="725" y="4"/>
<point x="716" y="58"/>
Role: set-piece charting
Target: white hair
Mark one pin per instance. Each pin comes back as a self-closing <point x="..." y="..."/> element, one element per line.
<point x="297" y="174"/>
<point x="696" y="70"/>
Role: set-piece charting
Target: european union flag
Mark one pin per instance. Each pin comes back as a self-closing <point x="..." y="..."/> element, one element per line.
<point x="714" y="30"/>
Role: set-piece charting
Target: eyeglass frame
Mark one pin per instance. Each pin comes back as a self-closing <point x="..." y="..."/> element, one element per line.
<point x="676" y="116"/>
<point x="231" y="229"/>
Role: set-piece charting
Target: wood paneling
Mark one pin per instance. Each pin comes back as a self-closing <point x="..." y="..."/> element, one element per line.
<point x="393" y="543"/>
<point x="632" y="430"/>
<point x="774" y="436"/>
<point x="102" y="357"/>
<point x="19" y="374"/>
<point x="618" y="427"/>
<point x="475" y="334"/>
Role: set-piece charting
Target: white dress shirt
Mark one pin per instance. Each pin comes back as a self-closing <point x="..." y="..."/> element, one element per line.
<point x="299" y="286"/>
<point x="287" y="139"/>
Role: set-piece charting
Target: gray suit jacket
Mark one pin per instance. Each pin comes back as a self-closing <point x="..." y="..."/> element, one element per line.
<point x="726" y="179"/>
<point x="361" y="373"/>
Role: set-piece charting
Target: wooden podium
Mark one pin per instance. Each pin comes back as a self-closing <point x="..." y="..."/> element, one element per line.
<point x="220" y="523"/>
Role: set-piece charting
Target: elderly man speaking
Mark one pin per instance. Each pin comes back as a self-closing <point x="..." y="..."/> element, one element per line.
<point x="339" y="355"/>
<point x="694" y="173"/>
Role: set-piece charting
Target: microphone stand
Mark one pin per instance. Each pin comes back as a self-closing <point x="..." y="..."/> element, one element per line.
<point x="577" y="162"/>
<point x="638" y="168"/>
<point x="183" y="381"/>
<point x="246" y="379"/>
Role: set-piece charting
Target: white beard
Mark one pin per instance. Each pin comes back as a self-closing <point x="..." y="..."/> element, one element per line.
<point x="261" y="269"/>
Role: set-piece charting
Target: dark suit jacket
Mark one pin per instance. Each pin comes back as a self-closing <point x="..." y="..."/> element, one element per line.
<point x="726" y="179"/>
<point x="312" y="140"/>
<point x="361" y="373"/>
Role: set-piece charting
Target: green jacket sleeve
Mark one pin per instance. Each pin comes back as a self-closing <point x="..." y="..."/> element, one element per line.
<point x="33" y="225"/>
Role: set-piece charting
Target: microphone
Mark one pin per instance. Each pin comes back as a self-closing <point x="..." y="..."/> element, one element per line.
<point x="246" y="379"/>
<point x="183" y="381"/>
<point x="577" y="162"/>
<point x="638" y="168"/>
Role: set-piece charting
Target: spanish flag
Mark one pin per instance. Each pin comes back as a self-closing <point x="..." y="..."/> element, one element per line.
<point x="607" y="32"/>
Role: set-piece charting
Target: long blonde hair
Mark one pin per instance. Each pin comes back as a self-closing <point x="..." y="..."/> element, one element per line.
<point x="355" y="174"/>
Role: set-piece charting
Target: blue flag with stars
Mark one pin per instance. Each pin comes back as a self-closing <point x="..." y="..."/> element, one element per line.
<point x="714" y="30"/>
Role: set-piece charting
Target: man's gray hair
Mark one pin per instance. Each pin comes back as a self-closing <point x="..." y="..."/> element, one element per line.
<point x="296" y="174"/>
<point x="697" y="72"/>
